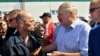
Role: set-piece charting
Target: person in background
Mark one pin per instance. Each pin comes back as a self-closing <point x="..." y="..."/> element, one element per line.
<point x="23" y="43"/>
<point x="6" y="18"/>
<point x="94" y="12"/>
<point x="85" y="19"/>
<point x="12" y="23"/>
<point x="3" y="29"/>
<point x="49" y="27"/>
<point x="38" y="34"/>
<point x="66" y="41"/>
<point x="94" y="37"/>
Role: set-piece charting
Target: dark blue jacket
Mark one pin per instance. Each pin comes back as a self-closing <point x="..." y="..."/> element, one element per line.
<point x="15" y="46"/>
<point x="94" y="42"/>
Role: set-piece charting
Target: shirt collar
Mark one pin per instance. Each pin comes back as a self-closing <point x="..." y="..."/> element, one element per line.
<point x="19" y="38"/>
<point x="74" y="24"/>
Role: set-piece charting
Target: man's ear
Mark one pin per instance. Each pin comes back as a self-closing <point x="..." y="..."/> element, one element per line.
<point x="21" y="23"/>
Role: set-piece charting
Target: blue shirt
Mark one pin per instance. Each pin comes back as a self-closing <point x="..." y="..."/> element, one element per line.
<point x="73" y="38"/>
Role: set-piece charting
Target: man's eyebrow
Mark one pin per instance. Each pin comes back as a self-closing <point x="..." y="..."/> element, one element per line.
<point x="33" y="20"/>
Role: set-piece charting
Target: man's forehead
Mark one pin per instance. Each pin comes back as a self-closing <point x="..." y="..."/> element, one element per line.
<point x="95" y="3"/>
<point x="61" y="10"/>
<point x="28" y="15"/>
<point x="29" y="18"/>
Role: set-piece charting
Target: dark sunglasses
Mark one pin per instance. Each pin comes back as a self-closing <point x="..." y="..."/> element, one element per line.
<point x="10" y="20"/>
<point x="93" y="9"/>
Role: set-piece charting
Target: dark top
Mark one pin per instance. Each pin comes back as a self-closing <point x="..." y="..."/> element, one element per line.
<point x="36" y="33"/>
<point x="94" y="42"/>
<point x="95" y="23"/>
<point x="15" y="46"/>
<point x="1" y="44"/>
<point x="10" y="32"/>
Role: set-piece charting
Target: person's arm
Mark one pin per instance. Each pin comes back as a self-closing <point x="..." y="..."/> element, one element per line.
<point x="49" y="48"/>
<point x="83" y="40"/>
<point x="9" y="48"/>
<point x="57" y="53"/>
<point x="36" y="51"/>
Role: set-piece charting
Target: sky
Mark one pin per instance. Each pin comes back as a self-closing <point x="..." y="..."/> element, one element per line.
<point x="38" y="8"/>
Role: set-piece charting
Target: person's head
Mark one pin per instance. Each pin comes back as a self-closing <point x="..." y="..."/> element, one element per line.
<point x="67" y="13"/>
<point x="94" y="10"/>
<point x="25" y="21"/>
<point x="46" y="17"/>
<point x="6" y="18"/>
<point x="12" y="16"/>
<point x="41" y="29"/>
<point x="85" y="19"/>
<point x="3" y="26"/>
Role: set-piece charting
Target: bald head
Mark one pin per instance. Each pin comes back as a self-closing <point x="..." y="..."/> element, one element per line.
<point x="23" y="15"/>
<point x="25" y="22"/>
<point x="68" y="7"/>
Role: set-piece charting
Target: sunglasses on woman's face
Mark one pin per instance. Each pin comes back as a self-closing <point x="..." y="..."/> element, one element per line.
<point x="10" y="20"/>
<point x="93" y="9"/>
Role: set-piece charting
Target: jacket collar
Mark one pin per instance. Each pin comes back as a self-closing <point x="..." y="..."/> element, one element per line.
<point x="19" y="39"/>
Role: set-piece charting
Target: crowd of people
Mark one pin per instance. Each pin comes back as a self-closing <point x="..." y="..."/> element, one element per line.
<point x="74" y="36"/>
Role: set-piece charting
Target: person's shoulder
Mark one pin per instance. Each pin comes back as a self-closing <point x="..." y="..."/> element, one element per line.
<point x="52" y="24"/>
<point x="95" y="32"/>
<point x="97" y="29"/>
<point x="58" y="27"/>
<point x="9" y="42"/>
<point x="82" y="25"/>
<point x="13" y="38"/>
<point x="82" y="22"/>
<point x="10" y="38"/>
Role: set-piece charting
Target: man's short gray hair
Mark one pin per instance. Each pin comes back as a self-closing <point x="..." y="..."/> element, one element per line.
<point x="68" y="7"/>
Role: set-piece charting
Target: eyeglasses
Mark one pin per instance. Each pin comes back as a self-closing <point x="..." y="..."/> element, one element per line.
<point x="10" y="20"/>
<point x="93" y="9"/>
